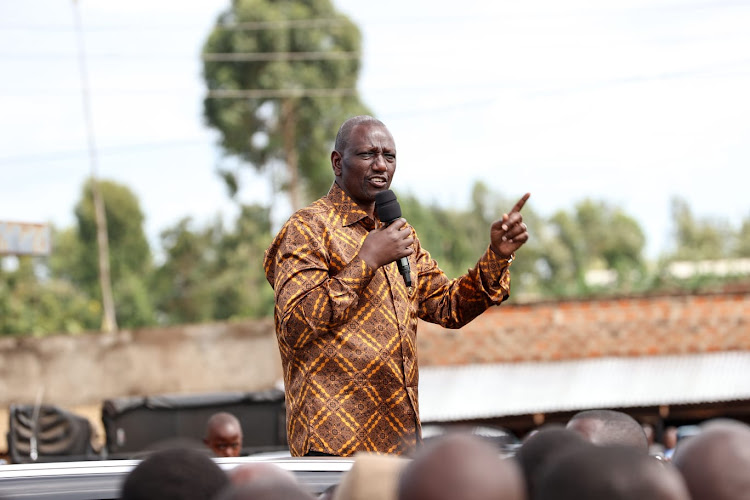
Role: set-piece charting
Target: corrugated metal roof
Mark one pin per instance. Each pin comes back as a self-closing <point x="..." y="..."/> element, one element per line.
<point x="494" y="390"/>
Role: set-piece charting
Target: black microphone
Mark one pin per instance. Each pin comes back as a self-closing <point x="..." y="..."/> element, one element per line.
<point x="389" y="210"/>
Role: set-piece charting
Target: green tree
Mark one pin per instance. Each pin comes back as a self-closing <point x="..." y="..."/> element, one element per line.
<point x="614" y="238"/>
<point x="742" y="246"/>
<point x="75" y="259"/>
<point x="434" y="225"/>
<point x="182" y="284"/>
<point x="241" y="288"/>
<point x="698" y="239"/>
<point x="213" y="274"/>
<point x="557" y="270"/>
<point x="33" y="304"/>
<point x="281" y="78"/>
<point x="595" y="236"/>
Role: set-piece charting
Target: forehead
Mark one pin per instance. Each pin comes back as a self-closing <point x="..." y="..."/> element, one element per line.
<point x="371" y="134"/>
<point x="226" y="429"/>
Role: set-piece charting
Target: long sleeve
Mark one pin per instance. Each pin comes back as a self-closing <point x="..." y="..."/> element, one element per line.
<point x="454" y="303"/>
<point x="316" y="289"/>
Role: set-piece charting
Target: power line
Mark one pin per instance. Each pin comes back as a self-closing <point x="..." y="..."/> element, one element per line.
<point x="736" y="67"/>
<point x="241" y="26"/>
<point x="390" y="20"/>
<point x="210" y="56"/>
<point x="278" y="56"/>
<point x="278" y="93"/>
<point x="284" y="23"/>
<point x="103" y="151"/>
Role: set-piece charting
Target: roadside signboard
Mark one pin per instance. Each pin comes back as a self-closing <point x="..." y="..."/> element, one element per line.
<point x="22" y="238"/>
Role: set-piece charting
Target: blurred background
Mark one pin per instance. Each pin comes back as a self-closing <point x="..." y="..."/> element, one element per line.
<point x="150" y="150"/>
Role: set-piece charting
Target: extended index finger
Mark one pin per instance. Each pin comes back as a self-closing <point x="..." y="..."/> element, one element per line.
<point x="519" y="205"/>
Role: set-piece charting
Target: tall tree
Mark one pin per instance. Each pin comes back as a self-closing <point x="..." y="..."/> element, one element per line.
<point x="698" y="239"/>
<point x="742" y="246"/>
<point x="281" y="77"/>
<point x="32" y="303"/>
<point x="241" y="288"/>
<point x="595" y="236"/>
<point x="182" y="284"/>
<point x="214" y="274"/>
<point x="130" y="255"/>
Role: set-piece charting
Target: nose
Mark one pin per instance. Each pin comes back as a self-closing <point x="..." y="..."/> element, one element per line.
<point x="379" y="162"/>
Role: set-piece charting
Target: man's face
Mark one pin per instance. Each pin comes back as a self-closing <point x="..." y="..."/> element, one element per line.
<point x="367" y="164"/>
<point x="225" y="441"/>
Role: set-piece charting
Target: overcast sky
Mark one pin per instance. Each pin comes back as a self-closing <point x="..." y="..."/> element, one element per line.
<point x="629" y="101"/>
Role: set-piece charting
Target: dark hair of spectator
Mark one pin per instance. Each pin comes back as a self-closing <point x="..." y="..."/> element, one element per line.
<point x="174" y="474"/>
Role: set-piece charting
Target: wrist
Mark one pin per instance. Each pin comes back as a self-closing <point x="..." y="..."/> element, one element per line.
<point x="506" y="258"/>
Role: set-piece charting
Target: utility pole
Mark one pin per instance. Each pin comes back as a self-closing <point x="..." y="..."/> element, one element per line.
<point x="288" y="123"/>
<point x="109" y="319"/>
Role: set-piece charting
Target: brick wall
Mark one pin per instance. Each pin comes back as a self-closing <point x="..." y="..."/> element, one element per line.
<point x="636" y="326"/>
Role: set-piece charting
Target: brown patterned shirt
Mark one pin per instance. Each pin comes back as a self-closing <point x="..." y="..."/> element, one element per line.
<point x="347" y="332"/>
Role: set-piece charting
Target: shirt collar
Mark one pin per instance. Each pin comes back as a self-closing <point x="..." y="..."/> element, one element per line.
<point x="350" y="212"/>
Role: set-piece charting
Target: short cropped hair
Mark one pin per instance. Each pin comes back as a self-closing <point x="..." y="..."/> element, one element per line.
<point x="175" y="474"/>
<point x="615" y="427"/>
<point x="345" y="131"/>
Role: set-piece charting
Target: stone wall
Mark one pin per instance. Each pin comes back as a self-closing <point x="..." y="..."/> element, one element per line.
<point x="78" y="372"/>
<point x="86" y="369"/>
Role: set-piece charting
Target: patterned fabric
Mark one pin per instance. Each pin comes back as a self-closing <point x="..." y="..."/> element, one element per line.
<point x="347" y="332"/>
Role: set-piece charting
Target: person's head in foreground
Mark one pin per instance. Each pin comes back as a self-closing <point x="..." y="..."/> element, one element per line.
<point x="372" y="477"/>
<point x="608" y="473"/>
<point x="174" y="474"/>
<point x="270" y="488"/>
<point x="460" y="466"/>
<point x="541" y="447"/>
<point x="716" y="462"/>
<point x="609" y="427"/>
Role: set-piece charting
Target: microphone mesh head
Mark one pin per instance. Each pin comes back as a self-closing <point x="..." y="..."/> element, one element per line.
<point x="386" y="206"/>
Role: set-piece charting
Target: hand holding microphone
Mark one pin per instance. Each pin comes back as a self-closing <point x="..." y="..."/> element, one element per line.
<point x="386" y="244"/>
<point x="388" y="209"/>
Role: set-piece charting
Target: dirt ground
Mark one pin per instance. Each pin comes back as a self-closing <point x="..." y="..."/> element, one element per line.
<point x="92" y="412"/>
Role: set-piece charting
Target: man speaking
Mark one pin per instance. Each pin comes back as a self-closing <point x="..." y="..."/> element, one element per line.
<point x="346" y="321"/>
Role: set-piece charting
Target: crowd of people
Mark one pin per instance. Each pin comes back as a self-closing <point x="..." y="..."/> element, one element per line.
<point x="598" y="454"/>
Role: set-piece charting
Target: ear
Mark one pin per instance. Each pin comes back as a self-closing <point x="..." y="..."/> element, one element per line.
<point x="336" y="163"/>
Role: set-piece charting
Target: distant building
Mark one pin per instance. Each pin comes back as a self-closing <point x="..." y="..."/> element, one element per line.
<point x="679" y="357"/>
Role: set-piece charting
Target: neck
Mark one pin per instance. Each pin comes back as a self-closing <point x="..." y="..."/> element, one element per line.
<point x="368" y="208"/>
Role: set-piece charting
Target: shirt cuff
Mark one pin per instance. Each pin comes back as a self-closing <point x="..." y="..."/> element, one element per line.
<point x="495" y="274"/>
<point x="356" y="275"/>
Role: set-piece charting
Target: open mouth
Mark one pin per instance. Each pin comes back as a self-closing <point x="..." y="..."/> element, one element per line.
<point x="379" y="182"/>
